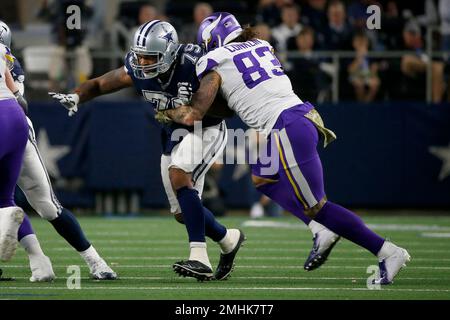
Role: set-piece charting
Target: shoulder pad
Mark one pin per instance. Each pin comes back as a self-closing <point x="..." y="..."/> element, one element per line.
<point x="208" y="62"/>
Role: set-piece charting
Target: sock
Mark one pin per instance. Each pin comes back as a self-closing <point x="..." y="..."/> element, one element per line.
<point x="228" y="242"/>
<point x="68" y="227"/>
<point x="285" y="199"/>
<point x="348" y="225"/>
<point x="386" y="250"/>
<point x="213" y="229"/>
<point x="199" y="253"/>
<point x="193" y="213"/>
<point x="315" y="227"/>
<point x="90" y="256"/>
<point x="31" y="245"/>
<point x="25" y="228"/>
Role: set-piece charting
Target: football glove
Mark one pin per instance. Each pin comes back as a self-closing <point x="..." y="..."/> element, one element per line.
<point x="161" y="117"/>
<point x="185" y="92"/>
<point x="69" y="101"/>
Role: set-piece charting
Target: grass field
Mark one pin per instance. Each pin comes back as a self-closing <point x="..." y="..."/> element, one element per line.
<point x="269" y="266"/>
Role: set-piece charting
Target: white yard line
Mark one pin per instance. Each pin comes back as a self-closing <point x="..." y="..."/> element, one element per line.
<point x="254" y="278"/>
<point x="435" y="235"/>
<point x="263" y="242"/>
<point x="278" y="258"/>
<point x="155" y="266"/>
<point x="377" y="226"/>
<point x="178" y="288"/>
<point x="247" y="249"/>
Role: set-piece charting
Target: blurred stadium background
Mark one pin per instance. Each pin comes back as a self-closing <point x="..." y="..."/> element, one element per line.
<point x="384" y="92"/>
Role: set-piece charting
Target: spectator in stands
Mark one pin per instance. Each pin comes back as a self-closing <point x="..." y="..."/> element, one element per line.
<point x="264" y="33"/>
<point x="363" y="73"/>
<point x="269" y="11"/>
<point x="357" y="13"/>
<point x="309" y="74"/>
<point x="69" y="42"/>
<point x="290" y="27"/>
<point x="339" y="34"/>
<point x="444" y="13"/>
<point x="188" y="33"/>
<point x="314" y="14"/>
<point x="414" y="67"/>
<point x="392" y="26"/>
<point x="146" y="13"/>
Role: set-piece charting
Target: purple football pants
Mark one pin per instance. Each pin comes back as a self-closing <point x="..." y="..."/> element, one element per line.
<point x="297" y="168"/>
<point x="13" y="139"/>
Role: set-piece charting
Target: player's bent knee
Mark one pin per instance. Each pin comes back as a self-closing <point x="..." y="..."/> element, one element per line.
<point x="179" y="178"/>
<point x="48" y="214"/>
<point x="179" y="217"/>
<point x="313" y="211"/>
<point x="260" y="181"/>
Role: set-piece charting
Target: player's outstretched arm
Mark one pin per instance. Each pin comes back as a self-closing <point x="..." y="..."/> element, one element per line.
<point x="200" y="103"/>
<point x="112" y="81"/>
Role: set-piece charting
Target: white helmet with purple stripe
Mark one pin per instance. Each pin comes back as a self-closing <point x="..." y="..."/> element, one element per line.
<point x="217" y="30"/>
<point x="5" y="34"/>
<point x="156" y="39"/>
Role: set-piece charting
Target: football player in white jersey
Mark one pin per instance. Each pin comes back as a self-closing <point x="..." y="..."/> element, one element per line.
<point x="35" y="184"/>
<point x="251" y="79"/>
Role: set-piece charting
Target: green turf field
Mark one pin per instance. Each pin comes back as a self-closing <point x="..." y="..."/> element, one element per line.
<point x="269" y="266"/>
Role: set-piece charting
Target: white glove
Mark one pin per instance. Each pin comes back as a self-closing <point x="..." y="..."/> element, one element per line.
<point x="185" y="92"/>
<point x="69" y="101"/>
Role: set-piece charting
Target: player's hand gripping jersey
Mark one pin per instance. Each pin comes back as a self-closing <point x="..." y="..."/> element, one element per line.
<point x="173" y="93"/>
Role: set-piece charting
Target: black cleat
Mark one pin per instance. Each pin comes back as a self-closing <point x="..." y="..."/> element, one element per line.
<point x="316" y="259"/>
<point x="4" y="279"/>
<point x="194" y="269"/>
<point x="226" y="263"/>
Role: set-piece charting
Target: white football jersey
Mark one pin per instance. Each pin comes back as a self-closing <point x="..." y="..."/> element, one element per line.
<point x="5" y="93"/>
<point x="253" y="82"/>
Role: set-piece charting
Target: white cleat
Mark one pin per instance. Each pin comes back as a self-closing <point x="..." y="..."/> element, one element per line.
<point x="10" y="220"/>
<point x="101" y="271"/>
<point x="41" y="269"/>
<point x="323" y="243"/>
<point x="391" y="264"/>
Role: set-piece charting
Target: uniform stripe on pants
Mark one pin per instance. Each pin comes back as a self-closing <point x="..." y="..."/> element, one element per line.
<point x="294" y="169"/>
<point x="218" y="145"/>
<point x="32" y="140"/>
